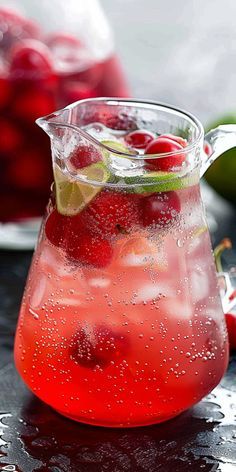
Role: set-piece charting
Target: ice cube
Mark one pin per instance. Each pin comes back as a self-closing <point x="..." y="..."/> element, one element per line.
<point x="99" y="282"/>
<point x="199" y="282"/>
<point x="98" y="131"/>
<point x="39" y="288"/>
<point x="152" y="291"/>
<point x="177" y="308"/>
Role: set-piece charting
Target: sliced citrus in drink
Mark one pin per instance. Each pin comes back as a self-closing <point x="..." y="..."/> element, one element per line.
<point x="72" y="196"/>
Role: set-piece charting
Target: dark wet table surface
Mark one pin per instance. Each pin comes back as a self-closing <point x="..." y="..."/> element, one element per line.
<point x="35" y="438"/>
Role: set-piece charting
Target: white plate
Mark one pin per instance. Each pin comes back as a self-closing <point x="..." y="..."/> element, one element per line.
<point x="19" y="236"/>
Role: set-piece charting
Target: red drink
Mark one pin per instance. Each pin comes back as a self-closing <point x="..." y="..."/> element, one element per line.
<point x="121" y="322"/>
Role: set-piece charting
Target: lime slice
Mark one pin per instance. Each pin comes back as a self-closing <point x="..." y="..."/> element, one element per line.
<point x="117" y="146"/>
<point x="151" y="181"/>
<point x="72" y="196"/>
<point x="161" y="182"/>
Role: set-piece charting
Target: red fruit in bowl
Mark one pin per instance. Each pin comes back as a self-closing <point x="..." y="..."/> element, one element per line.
<point x="11" y="137"/>
<point x="31" y="58"/>
<point x="163" y="145"/>
<point x="98" y="346"/>
<point x="31" y="29"/>
<point x="160" y="208"/>
<point x="30" y="170"/>
<point x="5" y="92"/>
<point x="33" y="103"/>
<point x="139" y="139"/>
<point x="60" y="40"/>
<point x="85" y="155"/>
<point x="15" y="28"/>
<point x="77" y="91"/>
<point x="110" y="213"/>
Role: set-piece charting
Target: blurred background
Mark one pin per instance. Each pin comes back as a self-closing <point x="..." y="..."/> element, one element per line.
<point x="181" y="52"/>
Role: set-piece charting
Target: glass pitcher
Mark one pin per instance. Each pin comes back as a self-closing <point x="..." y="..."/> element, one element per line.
<point x="51" y="54"/>
<point x="121" y="322"/>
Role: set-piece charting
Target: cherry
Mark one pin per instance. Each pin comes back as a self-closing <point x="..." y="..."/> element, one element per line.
<point x="33" y="103"/>
<point x="95" y="251"/>
<point x="207" y="148"/>
<point x="98" y="346"/>
<point x="183" y="142"/>
<point x="31" y="57"/>
<point x="110" y="213"/>
<point x="10" y="136"/>
<point x="160" y="208"/>
<point x="139" y="139"/>
<point x="72" y="235"/>
<point x="122" y="121"/>
<point x="85" y="155"/>
<point x="56" y="227"/>
<point x="164" y="145"/>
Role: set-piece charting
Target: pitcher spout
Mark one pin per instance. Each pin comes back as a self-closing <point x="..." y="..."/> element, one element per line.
<point x="50" y="123"/>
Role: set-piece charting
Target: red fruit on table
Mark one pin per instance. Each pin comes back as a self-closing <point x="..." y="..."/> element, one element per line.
<point x="163" y="145"/>
<point x="231" y="327"/>
<point x="30" y="58"/>
<point x="85" y="155"/>
<point x="160" y="208"/>
<point x="11" y="137"/>
<point x="90" y="249"/>
<point x="139" y="139"/>
<point x="32" y="104"/>
<point x="111" y="213"/>
<point x="99" y="346"/>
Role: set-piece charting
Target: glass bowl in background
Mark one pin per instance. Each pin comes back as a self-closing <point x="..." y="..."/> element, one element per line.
<point x="51" y="54"/>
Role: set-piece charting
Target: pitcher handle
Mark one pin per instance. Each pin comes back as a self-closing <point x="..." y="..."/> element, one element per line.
<point x="220" y="140"/>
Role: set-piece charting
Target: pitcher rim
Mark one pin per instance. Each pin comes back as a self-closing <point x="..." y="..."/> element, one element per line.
<point x="123" y="101"/>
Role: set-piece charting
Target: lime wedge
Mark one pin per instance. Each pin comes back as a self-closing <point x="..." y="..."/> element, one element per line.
<point x="72" y="196"/>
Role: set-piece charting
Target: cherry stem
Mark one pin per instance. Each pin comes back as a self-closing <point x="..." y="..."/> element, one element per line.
<point x="219" y="249"/>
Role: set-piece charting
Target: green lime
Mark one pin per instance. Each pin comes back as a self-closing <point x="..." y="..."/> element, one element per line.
<point x="221" y="174"/>
<point x="117" y="146"/>
<point x="161" y="182"/>
<point x="74" y="195"/>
